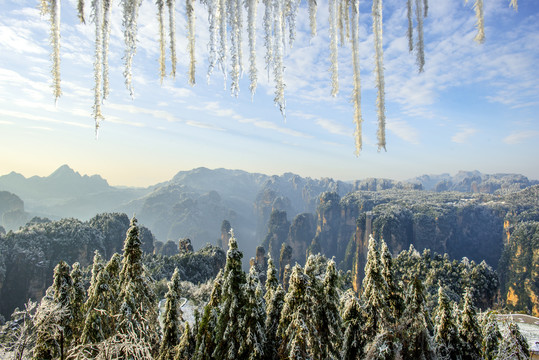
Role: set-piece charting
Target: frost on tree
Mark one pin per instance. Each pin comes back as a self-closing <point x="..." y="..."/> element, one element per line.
<point x="226" y="24"/>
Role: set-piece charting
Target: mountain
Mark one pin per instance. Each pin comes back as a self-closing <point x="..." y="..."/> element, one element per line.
<point x="67" y="193"/>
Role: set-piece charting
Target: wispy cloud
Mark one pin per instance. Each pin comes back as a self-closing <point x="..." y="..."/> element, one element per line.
<point x="333" y="127"/>
<point x="403" y="130"/>
<point x="26" y="116"/>
<point x="464" y="134"/>
<point x="518" y="137"/>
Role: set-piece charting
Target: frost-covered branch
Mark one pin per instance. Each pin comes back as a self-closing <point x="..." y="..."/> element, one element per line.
<point x="379" y="71"/>
<point x="251" y="28"/>
<point x="171" y="4"/>
<point x="190" y="11"/>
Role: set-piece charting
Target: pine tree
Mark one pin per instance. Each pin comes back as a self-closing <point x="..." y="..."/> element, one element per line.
<point x="184" y="350"/>
<point x="253" y="343"/>
<point x="274" y="306"/>
<point x="469" y="330"/>
<point x="491" y="337"/>
<point x="173" y="319"/>
<point x="78" y="295"/>
<point x="229" y="332"/>
<point x="352" y="317"/>
<point x="446" y="334"/>
<point x="294" y="325"/>
<point x="138" y="315"/>
<point x="513" y="345"/>
<point x="416" y="325"/>
<point x="375" y="294"/>
<point x="205" y="342"/>
<point x="329" y="329"/>
<point x="386" y="262"/>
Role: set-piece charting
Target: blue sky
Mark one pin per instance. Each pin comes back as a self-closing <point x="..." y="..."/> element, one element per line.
<point x="474" y="107"/>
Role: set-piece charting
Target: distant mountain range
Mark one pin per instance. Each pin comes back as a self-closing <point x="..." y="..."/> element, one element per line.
<point x="194" y="203"/>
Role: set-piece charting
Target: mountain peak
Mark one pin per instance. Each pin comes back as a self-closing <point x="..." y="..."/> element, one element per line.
<point x="62" y="171"/>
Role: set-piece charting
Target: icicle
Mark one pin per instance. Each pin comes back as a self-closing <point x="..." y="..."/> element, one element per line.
<point x="97" y="17"/>
<point x="278" y="67"/>
<point x="346" y="16"/>
<point x="291" y="12"/>
<point x="213" y="25"/>
<point x="356" y="92"/>
<point x="410" y="32"/>
<point x="334" y="67"/>
<point x="312" y="16"/>
<point x="478" y="7"/>
<point x="129" y="22"/>
<point x="239" y="14"/>
<point x="171" y="4"/>
<point x="106" y="40"/>
<point x="162" y="45"/>
<point x="425" y="8"/>
<point x="340" y="21"/>
<point x="55" y="43"/>
<point x="190" y="11"/>
<point x="233" y="20"/>
<point x="379" y="71"/>
<point x="514" y="4"/>
<point x="420" y="45"/>
<point x="223" y="35"/>
<point x="251" y="28"/>
<point x="268" y="33"/>
<point x="80" y="11"/>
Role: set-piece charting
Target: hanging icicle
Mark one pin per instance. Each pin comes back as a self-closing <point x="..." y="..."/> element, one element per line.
<point x="190" y="11"/>
<point x="312" y="16"/>
<point x="52" y="8"/>
<point x="333" y="48"/>
<point x="514" y="4"/>
<point x="278" y="68"/>
<point x="80" y="11"/>
<point x="379" y="71"/>
<point x="129" y="22"/>
<point x="213" y="22"/>
<point x="106" y="41"/>
<point x="356" y="92"/>
<point x="291" y="11"/>
<point x="420" y="47"/>
<point x="162" y="45"/>
<point x="234" y="20"/>
<point x="172" y="34"/>
<point x="410" y="32"/>
<point x="251" y="28"/>
<point x="425" y="8"/>
<point x="478" y="7"/>
<point x="268" y="33"/>
<point x="239" y="13"/>
<point x="223" y="38"/>
<point x="97" y="18"/>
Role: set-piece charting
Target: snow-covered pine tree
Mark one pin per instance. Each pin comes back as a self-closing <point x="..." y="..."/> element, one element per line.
<point x="446" y="335"/>
<point x="386" y="261"/>
<point x="352" y="317"/>
<point x="173" y="319"/>
<point x="469" y="330"/>
<point x="254" y="318"/>
<point x="185" y="349"/>
<point x="274" y="306"/>
<point x="138" y="310"/>
<point x="229" y="330"/>
<point x="294" y="325"/>
<point x="491" y="336"/>
<point x="271" y="280"/>
<point x="513" y="345"/>
<point x="416" y="325"/>
<point x="78" y="296"/>
<point x="329" y="329"/>
<point x="205" y="337"/>
<point x="375" y="294"/>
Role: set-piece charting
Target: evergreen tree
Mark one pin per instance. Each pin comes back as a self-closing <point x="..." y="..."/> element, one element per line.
<point x="446" y="334"/>
<point x="469" y="330"/>
<point x="513" y="345"/>
<point x="173" y="319"/>
<point x="294" y="325"/>
<point x="353" y="339"/>
<point x="184" y="350"/>
<point x="386" y="262"/>
<point x="416" y="326"/>
<point x="329" y="328"/>
<point x="375" y="294"/>
<point x="491" y="337"/>
<point x="205" y="341"/>
<point x="254" y="340"/>
<point x="78" y="295"/>
<point x="274" y="306"/>
<point x="229" y="331"/>
<point x="138" y="315"/>
<point x="271" y="280"/>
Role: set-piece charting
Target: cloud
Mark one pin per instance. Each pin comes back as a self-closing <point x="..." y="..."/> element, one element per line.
<point x="463" y="135"/>
<point x="333" y="127"/>
<point x="403" y="130"/>
<point x="19" y="40"/>
<point x="518" y="137"/>
<point x="39" y="118"/>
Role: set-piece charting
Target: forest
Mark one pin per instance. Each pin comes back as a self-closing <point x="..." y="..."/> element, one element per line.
<point x="413" y="306"/>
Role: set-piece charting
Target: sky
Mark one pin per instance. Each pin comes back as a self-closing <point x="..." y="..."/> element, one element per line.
<point x="475" y="106"/>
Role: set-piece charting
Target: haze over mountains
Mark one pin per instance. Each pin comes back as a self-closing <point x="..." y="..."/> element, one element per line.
<point x="194" y="203"/>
